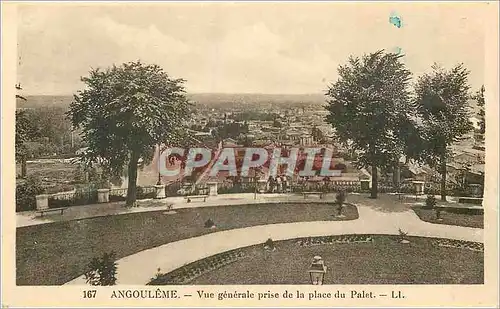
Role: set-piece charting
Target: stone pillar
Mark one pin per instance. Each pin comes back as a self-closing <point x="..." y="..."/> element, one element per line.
<point x="42" y="201"/>
<point x="160" y="191"/>
<point x="212" y="188"/>
<point x="418" y="186"/>
<point x="103" y="195"/>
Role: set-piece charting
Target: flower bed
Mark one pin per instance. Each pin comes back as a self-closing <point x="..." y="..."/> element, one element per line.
<point x="351" y="259"/>
<point x="460" y="217"/>
<point x="462" y="244"/>
<point x="322" y="240"/>
<point x="193" y="270"/>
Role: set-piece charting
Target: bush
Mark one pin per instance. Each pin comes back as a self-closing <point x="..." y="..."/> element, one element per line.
<point x="403" y="236"/>
<point x="102" y="270"/>
<point x="340" y="197"/>
<point x="339" y="201"/>
<point x="340" y="166"/>
<point x="26" y="192"/>
<point x="269" y="244"/>
<point x="430" y="202"/>
<point x="209" y="223"/>
<point x="78" y="175"/>
<point x="438" y="213"/>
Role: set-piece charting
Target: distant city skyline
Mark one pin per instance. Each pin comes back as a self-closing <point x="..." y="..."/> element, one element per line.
<point x="266" y="48"/>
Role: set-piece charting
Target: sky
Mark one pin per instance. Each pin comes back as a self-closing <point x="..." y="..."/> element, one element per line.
<point x="278" y="48"/>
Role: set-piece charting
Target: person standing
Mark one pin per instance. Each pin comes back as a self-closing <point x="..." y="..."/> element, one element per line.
<point x="284" y="180"/>
<point x="270" y="184"/>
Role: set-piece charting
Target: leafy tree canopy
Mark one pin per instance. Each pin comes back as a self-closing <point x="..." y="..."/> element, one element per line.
<point x="441" y="100"/>
<point x="479" y="97"/>
<point x="368" y="104"/>
<point x="125" y="111"/>
<point x="26" y="130"/>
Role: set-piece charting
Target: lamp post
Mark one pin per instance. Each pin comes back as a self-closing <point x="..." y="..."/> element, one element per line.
<point x="317" y="271"/>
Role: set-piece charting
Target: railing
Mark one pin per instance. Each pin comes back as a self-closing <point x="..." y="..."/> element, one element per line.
<point x="177" y="188"/>
<point x="328" y="186"/>
<point x="453" y="190"/>
<point x="77" y="198"/>
<point x="238" y="187"/>
<point x="89" y="196"/>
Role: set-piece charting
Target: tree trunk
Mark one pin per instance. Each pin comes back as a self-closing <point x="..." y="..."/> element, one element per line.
<point x="132" y="179"/>
<point x="443" y="178"/>
<point x="396" y="175"/>
<point x="24" y="168"/>
<point x="374" y="189"/>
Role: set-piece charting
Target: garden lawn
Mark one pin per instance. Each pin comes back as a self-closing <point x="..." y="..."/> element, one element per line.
<point x="55" y="253"/>
<point x="384" y="261"/>
<point x="460" y="218"/>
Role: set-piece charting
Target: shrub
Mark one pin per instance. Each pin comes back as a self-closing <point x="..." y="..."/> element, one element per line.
<point x="78" y="175"/>
<point x="158" y="274"/>
<point x="26" y="192"/>
<point x="269" y="245"/>
<point x="430" y="201"/>
<point x="339" y="201"/>
<point x="438" y="213"/>
<point x="340" y="166"/>
<point x="102" y="270"/>
<point x="209" y="223"/>
<point x="403" y="236"/>
<point x="103" y="183"/>
<point x="116" y="180"/>
<point x="340" y="197"/>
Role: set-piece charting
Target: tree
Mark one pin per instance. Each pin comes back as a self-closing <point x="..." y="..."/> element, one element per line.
<point x="229" y="130"/>
<point x="410" y="135"/>
<point x="277" y="123"/>
<point x="125" y="112"/>
<point x="479" y="97"/>
<point x="26" y="131"/>
<point x="442" y="106"/>
<point x="101" y="271"/>
<point x="366" y="105"/>
<point x="317" y="135"/>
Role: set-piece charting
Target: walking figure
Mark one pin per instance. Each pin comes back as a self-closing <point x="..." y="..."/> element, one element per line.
<point x="278" y="184"/>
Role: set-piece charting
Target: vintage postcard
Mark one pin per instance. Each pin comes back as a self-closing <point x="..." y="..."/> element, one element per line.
<point x="249" y="154"/>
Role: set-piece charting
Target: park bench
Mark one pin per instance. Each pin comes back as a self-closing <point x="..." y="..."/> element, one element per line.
<point x="41" y="212"/>
<point x="320" y="194"/>
<point x="472" y="209"/>
<point x="471" y="200"/>
<point x="189" y="198"/>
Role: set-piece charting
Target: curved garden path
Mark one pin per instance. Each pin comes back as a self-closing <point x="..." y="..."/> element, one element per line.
<point x="139" y="268"/>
